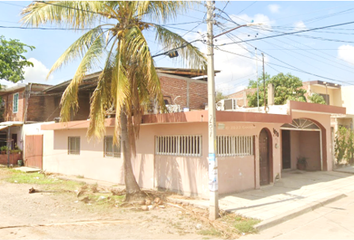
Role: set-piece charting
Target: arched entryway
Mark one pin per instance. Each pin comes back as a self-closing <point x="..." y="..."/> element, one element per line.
<point x="302" y="138"/>
<point x="265" y="157"/>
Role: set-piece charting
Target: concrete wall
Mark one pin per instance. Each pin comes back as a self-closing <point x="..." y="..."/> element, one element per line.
<point x="90" y="163"/>
<point x="348" y="98"/>
<point x="244" y="171"/>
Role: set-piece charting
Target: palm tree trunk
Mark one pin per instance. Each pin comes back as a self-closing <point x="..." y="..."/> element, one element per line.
<point x="133" y="190"/>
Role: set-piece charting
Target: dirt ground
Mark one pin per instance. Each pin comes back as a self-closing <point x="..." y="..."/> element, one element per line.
<point x="53" y="215"/>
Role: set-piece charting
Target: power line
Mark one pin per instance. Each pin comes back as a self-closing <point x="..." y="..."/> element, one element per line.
<point x="45" y="28"/>
<point x="292" y="67"/>
<point x="245" y="8"/>
<point x="291" y="33"/>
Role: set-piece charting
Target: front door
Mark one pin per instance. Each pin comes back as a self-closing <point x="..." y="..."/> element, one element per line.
<point x="34" y="151"/>
<point x="264" y="157"/>
<point x="285" y="142"/>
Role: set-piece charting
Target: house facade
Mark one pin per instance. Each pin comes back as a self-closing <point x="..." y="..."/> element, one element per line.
<point x="172" y="149"/>
<point x="253" y="148"/>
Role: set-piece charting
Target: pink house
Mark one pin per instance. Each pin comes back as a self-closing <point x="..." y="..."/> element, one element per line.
<point x="253" y="148"/>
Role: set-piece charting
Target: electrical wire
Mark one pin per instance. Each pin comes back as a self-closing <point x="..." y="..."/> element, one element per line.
<point x="244" y="8"/>
<point x="292" y="33"/>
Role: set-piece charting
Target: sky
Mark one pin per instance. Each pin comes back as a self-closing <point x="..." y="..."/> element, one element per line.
<point x="325" y="54"/>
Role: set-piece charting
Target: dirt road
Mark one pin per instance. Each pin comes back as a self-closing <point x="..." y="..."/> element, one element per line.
<point x="61" y="216"/>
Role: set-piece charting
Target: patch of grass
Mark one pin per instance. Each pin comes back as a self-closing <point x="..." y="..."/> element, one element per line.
<point x="241" y="224"/>
<point x="30" y="178"/>
<point x="80" y="176"/>
<point x="49" y="183"/>
<point x="210" y="232"/>
<point x="246" y="226"/>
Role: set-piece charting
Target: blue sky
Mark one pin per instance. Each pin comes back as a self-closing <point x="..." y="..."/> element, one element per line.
<point x="326" y="54"/>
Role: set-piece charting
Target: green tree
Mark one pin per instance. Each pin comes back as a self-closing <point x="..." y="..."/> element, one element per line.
<point x="219" y="96"/>
<point x="286" y="87"/>
<point x="316" y="98"/>
<point x="341" y="143"/>
<point x="12" y="60"/>
<point x="128" y="81"/>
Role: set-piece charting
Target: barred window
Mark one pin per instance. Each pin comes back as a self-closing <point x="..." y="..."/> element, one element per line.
<point x="189" y="145"/>
<point x="110" y="149"/>
<point x="74" y="145"/>
<point x="15" y="103"/>
<point x="234" y="145"/>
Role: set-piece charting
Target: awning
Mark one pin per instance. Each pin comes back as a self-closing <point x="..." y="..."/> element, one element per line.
<point x="5" y="125"/>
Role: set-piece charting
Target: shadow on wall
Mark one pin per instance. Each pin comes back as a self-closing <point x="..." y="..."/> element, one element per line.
<point x="141" y="169"/>
<point x="168" y="174"/>
<point x="180" y="174"/>
<point x="61" y="138"/>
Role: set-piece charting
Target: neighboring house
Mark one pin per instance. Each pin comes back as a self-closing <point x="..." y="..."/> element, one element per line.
<point x="333" y="93"/>
<point x="26" y="104"/>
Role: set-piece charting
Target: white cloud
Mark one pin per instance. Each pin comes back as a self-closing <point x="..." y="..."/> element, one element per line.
<point x="37" y="73"/>
<point x="273" y="8"/>
<point x="346" y="53"/>
<point x="300" y="25"/>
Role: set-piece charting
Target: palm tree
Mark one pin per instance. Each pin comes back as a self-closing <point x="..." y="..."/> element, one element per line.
<point x="128" y="80"/>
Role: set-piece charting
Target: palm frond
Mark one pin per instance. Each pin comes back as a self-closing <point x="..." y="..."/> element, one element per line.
<point x="78" y="14"/>
<point x="69" y="98"/>
<point x="161" y="10"/>
<point x="101" y="99"/>
<point x="195" y="59"/>
<point x="78" y="48"/>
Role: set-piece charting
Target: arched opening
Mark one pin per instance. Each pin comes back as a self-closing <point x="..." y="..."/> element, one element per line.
<point x="265" y="157"/>
<point x="303" y="138"/>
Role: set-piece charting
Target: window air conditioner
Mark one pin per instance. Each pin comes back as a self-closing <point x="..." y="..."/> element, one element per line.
<point x="227" y="104"/>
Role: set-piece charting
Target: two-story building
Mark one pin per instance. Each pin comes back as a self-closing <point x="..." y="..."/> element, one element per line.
<point x="28" y="105"/>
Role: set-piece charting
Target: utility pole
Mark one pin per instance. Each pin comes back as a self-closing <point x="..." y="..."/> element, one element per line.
<point x="255" y="49"/>
<point x="264" y="86"/>
<point x="213" y="163"/>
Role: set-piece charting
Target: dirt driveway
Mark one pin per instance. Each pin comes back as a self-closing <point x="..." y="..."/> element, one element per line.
<point x="58" y="213"/>
<point x="59" y="216"/>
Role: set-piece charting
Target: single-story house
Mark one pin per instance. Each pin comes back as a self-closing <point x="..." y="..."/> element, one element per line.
<point x="253" y="148"/>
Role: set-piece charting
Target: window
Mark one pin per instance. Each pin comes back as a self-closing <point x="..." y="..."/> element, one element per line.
<point x="74" y="145"/>
<point x="190" y="145"/>
<point x="234" y="145"/>
<point x="110" y="149"/>
<point x="15" y="103"/>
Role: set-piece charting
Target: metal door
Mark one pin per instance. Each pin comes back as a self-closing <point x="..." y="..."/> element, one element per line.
<point x="264" y="157"/>
<point x="34" y="151"/>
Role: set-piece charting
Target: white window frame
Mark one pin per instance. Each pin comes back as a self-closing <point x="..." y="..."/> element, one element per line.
<point x="179" y="145"/>
<point x="229" y="146"/>
<point x="13" y="102"/>
<point x="116" y="149"/>
<point x="77" y="145"/>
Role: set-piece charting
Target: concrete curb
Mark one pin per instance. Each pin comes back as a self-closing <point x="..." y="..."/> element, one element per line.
<point x="295" y="213"/>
